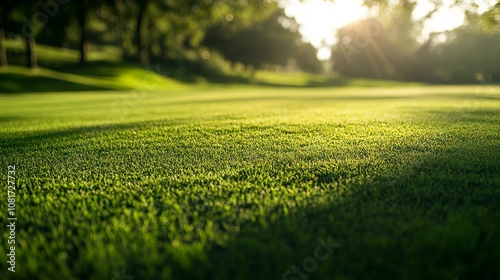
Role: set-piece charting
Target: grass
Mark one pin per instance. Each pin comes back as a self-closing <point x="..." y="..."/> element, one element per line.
<point x="297" y="79"/>
<point x="239" y="183"/>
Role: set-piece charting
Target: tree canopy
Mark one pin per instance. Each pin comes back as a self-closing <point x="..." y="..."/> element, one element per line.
<point x="387" y="46"/>
<point x="250" y="32"/>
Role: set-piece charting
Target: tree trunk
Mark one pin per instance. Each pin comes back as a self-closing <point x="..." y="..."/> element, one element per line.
<point x="31" y="53"/>
<point x="119" y="35"/>
<point x="141" y="56"/>
<point x="119" y="27"/>
<point x="3" y="53"/>
<point x="82" y="22"/>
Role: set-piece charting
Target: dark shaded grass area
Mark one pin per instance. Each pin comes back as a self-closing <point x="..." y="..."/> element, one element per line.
<point x="409" y="226"/>
<point x="12" y="83"/>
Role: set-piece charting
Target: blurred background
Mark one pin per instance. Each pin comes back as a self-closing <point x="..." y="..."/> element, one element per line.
<point x="230" y="41"/>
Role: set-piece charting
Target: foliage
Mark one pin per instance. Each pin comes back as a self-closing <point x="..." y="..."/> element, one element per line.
<point x="491" y="19"/>
<point x="384" y="46"/>
<point x="144" y="30"/>
<point x="471" y="53"/>
<point x="270" y="42"/>
<point x="366" y="50"/>
<point x="380" y="48"/>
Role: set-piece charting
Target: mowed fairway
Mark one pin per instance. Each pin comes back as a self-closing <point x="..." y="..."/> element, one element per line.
<point x="242" y="182"/>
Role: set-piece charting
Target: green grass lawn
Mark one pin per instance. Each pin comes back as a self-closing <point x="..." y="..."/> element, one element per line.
<point x="242" y="182"/>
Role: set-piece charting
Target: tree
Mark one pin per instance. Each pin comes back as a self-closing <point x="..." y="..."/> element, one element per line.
<point x="264" y="43"/>
<point x="54" y="32"/>
<point x="364" y="50"/>
<point x="490" y="20"/>
<point x="5" y="8"/>
<point x="30" y="19"/>
<point x="307" y="59"/>
<point x="141" y="56"/>
<point x="82" y="10"/>
<point x="386" y="45"/>
<point x="470" y="52"/>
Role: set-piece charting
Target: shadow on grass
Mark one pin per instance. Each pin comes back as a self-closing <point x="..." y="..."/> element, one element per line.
<point x="10" y="118"/>
<point x="19" y="83"/>
<point x="433" y="220"/>
<point x="468" y="115"/>
<point x="102" y="69"/>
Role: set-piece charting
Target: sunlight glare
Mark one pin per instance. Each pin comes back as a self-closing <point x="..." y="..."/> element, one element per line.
<point x="319" y="19"/>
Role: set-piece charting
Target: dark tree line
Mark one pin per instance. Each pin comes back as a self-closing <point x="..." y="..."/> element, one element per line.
<point x="264" y="44"/>
<point x="157" y="29"/>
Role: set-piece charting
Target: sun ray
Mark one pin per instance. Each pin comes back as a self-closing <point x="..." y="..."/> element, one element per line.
<point x="319" y="19"/>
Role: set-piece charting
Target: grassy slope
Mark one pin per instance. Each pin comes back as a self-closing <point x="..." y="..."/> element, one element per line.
<point x="240" y="183"/>
<point x="58" y="72"/>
